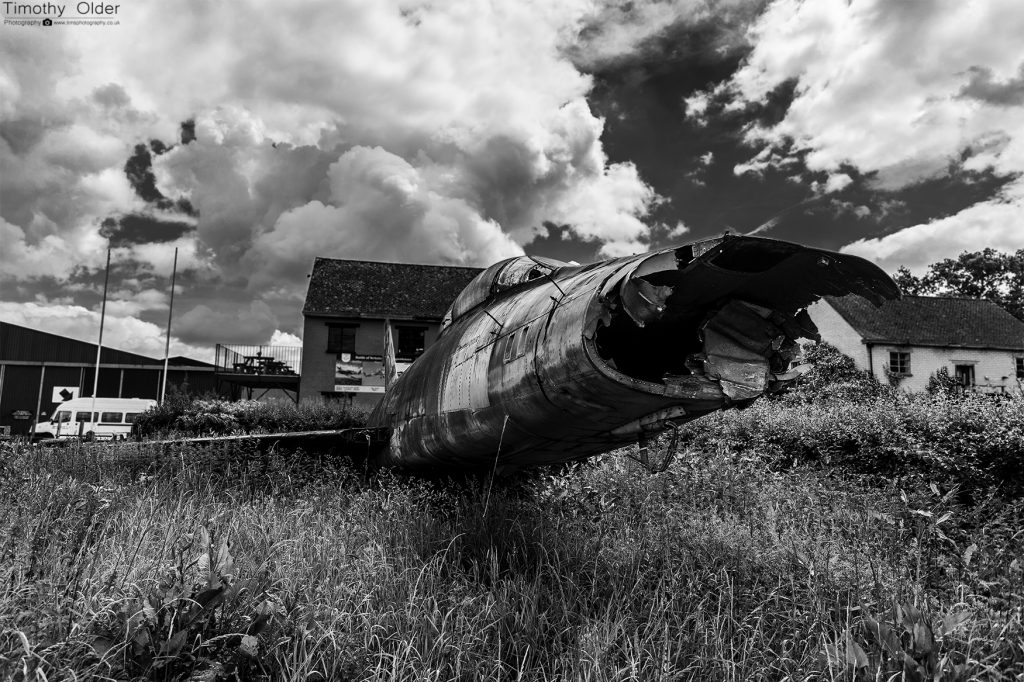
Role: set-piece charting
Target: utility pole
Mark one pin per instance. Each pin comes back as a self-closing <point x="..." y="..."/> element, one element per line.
<point x="99" y="345"/>
<point x="170" y="311"/>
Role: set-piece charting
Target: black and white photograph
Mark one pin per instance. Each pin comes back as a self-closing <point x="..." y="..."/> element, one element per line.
<point x="594" y="340"/>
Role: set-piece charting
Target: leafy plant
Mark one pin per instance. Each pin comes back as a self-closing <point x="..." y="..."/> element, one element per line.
<point x="909" y="647"/>
<point x="941" y="381"/>
<point x="186" y="622"/>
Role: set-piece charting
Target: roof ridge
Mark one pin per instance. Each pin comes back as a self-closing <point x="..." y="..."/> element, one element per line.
<point x="942" y="297"/>
<point x="932" y="320"/>
<point x="388" y="262"/>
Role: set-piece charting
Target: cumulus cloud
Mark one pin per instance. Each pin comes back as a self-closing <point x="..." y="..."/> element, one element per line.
<point x="615" y="30"/>
<point x="442" y="133"/>
<point x="378" y="204"/>
<point x="996" y="224"/>
<point x="280" y="338"/>
<point x="902" y="92"/>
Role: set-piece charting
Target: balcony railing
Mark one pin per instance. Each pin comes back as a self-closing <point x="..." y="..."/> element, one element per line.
<point x="259" y="360"/>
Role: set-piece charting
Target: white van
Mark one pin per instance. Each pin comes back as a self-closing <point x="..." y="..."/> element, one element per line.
<point x="112" y="420"/>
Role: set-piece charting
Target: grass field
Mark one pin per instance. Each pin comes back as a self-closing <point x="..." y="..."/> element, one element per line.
<point x="137" y="561"/>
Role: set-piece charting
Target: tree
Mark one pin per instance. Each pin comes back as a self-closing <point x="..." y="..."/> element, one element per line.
<point x="990" y="274"/>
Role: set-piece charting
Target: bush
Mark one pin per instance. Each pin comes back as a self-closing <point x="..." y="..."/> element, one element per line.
<point x="966" y="440"/>
<point x="941" y="382"/>
<point x="833" y="375"/>
<point x="181" y="415"/>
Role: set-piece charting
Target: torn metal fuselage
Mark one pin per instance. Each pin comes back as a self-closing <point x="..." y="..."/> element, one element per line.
<point x="542" y="362"/>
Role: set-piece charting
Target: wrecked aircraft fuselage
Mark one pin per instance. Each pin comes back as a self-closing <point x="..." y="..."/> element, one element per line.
<point x="542" y="362"/>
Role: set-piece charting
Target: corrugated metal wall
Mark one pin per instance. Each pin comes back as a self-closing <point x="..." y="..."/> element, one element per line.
<point x="26" y="355"/>
<point x="30" y="345"/>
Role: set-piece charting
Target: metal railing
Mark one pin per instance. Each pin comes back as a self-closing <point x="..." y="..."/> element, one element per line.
<point x="259" y="360"/>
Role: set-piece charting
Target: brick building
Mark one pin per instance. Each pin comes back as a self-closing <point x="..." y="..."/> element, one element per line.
<point x="349" y="302"/>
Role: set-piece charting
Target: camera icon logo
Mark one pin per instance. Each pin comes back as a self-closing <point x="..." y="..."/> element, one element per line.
<point x="47" y="22"/>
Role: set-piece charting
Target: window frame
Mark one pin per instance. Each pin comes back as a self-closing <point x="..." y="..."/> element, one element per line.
<point x="899" y="363"/>
<point x="521" y="342"/>
<point x="516" y="343"/>
<point x="971" y="375"/>
<point x="510" y="344"/>
<point x="1018" y="366"/>
<point x="336" y="337"/>
<point x="400" y="351"/>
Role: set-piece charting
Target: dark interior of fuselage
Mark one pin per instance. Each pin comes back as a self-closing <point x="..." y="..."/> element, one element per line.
<point x="650" y="352"/>
<point x="663" y="346"/>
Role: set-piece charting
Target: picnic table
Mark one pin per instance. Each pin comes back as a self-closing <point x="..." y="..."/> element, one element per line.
<point x="261" y="364"/>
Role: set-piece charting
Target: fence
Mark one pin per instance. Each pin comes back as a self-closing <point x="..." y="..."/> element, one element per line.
<point x="259" y="360"/>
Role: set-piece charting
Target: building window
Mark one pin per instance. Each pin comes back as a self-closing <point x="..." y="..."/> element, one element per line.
<point x="341" y="338"/>
<point x="411" y="341"/>
<point x="1020" y="367"/>
<point x="964" y="375"/>
<point x="899" y="363"/>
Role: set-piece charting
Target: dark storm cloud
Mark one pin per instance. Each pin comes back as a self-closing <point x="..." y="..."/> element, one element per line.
<point x="188" y="131"/>
<point x="982" y="86"/>
<point x="23" y="133"/>
<point x="139" y="171"/>
<point x="632" y="32"/>
<point x="111" y="96"/>
<point x="668" y="108"/>
<point x="142" y="229"/>
<point x="223" y="322"/>
<point x="687" y="156"/>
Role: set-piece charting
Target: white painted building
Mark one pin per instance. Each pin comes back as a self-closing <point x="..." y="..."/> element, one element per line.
<point x="978" y="342"/>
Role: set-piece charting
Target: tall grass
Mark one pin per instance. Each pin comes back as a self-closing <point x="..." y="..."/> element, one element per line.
<point x="169" y="563"/>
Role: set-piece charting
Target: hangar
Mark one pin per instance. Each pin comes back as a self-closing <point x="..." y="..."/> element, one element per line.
<point x="39" y="370"/>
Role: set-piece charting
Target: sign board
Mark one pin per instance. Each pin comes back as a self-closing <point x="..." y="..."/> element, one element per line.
<point x="64" y="393"/>
<point x="21" y="414"/>
<point x="341" y="388"/>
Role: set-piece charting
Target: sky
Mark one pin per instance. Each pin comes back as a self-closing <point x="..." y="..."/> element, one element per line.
<point x="254" y="136"/>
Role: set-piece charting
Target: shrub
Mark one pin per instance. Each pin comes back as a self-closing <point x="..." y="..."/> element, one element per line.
<point x="965" y="440"/>
<point x="833" y="375"/>
<point x="185" y="416"/>
<point x="941" y="382"/>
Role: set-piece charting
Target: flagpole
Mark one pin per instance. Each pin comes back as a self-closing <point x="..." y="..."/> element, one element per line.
<point x="99" y="345"/>
<point x="170" y="311"/>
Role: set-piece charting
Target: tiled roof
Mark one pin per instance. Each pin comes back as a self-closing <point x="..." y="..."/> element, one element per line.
<point x="933" y="321"/>
<point x="355" y="288"/>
